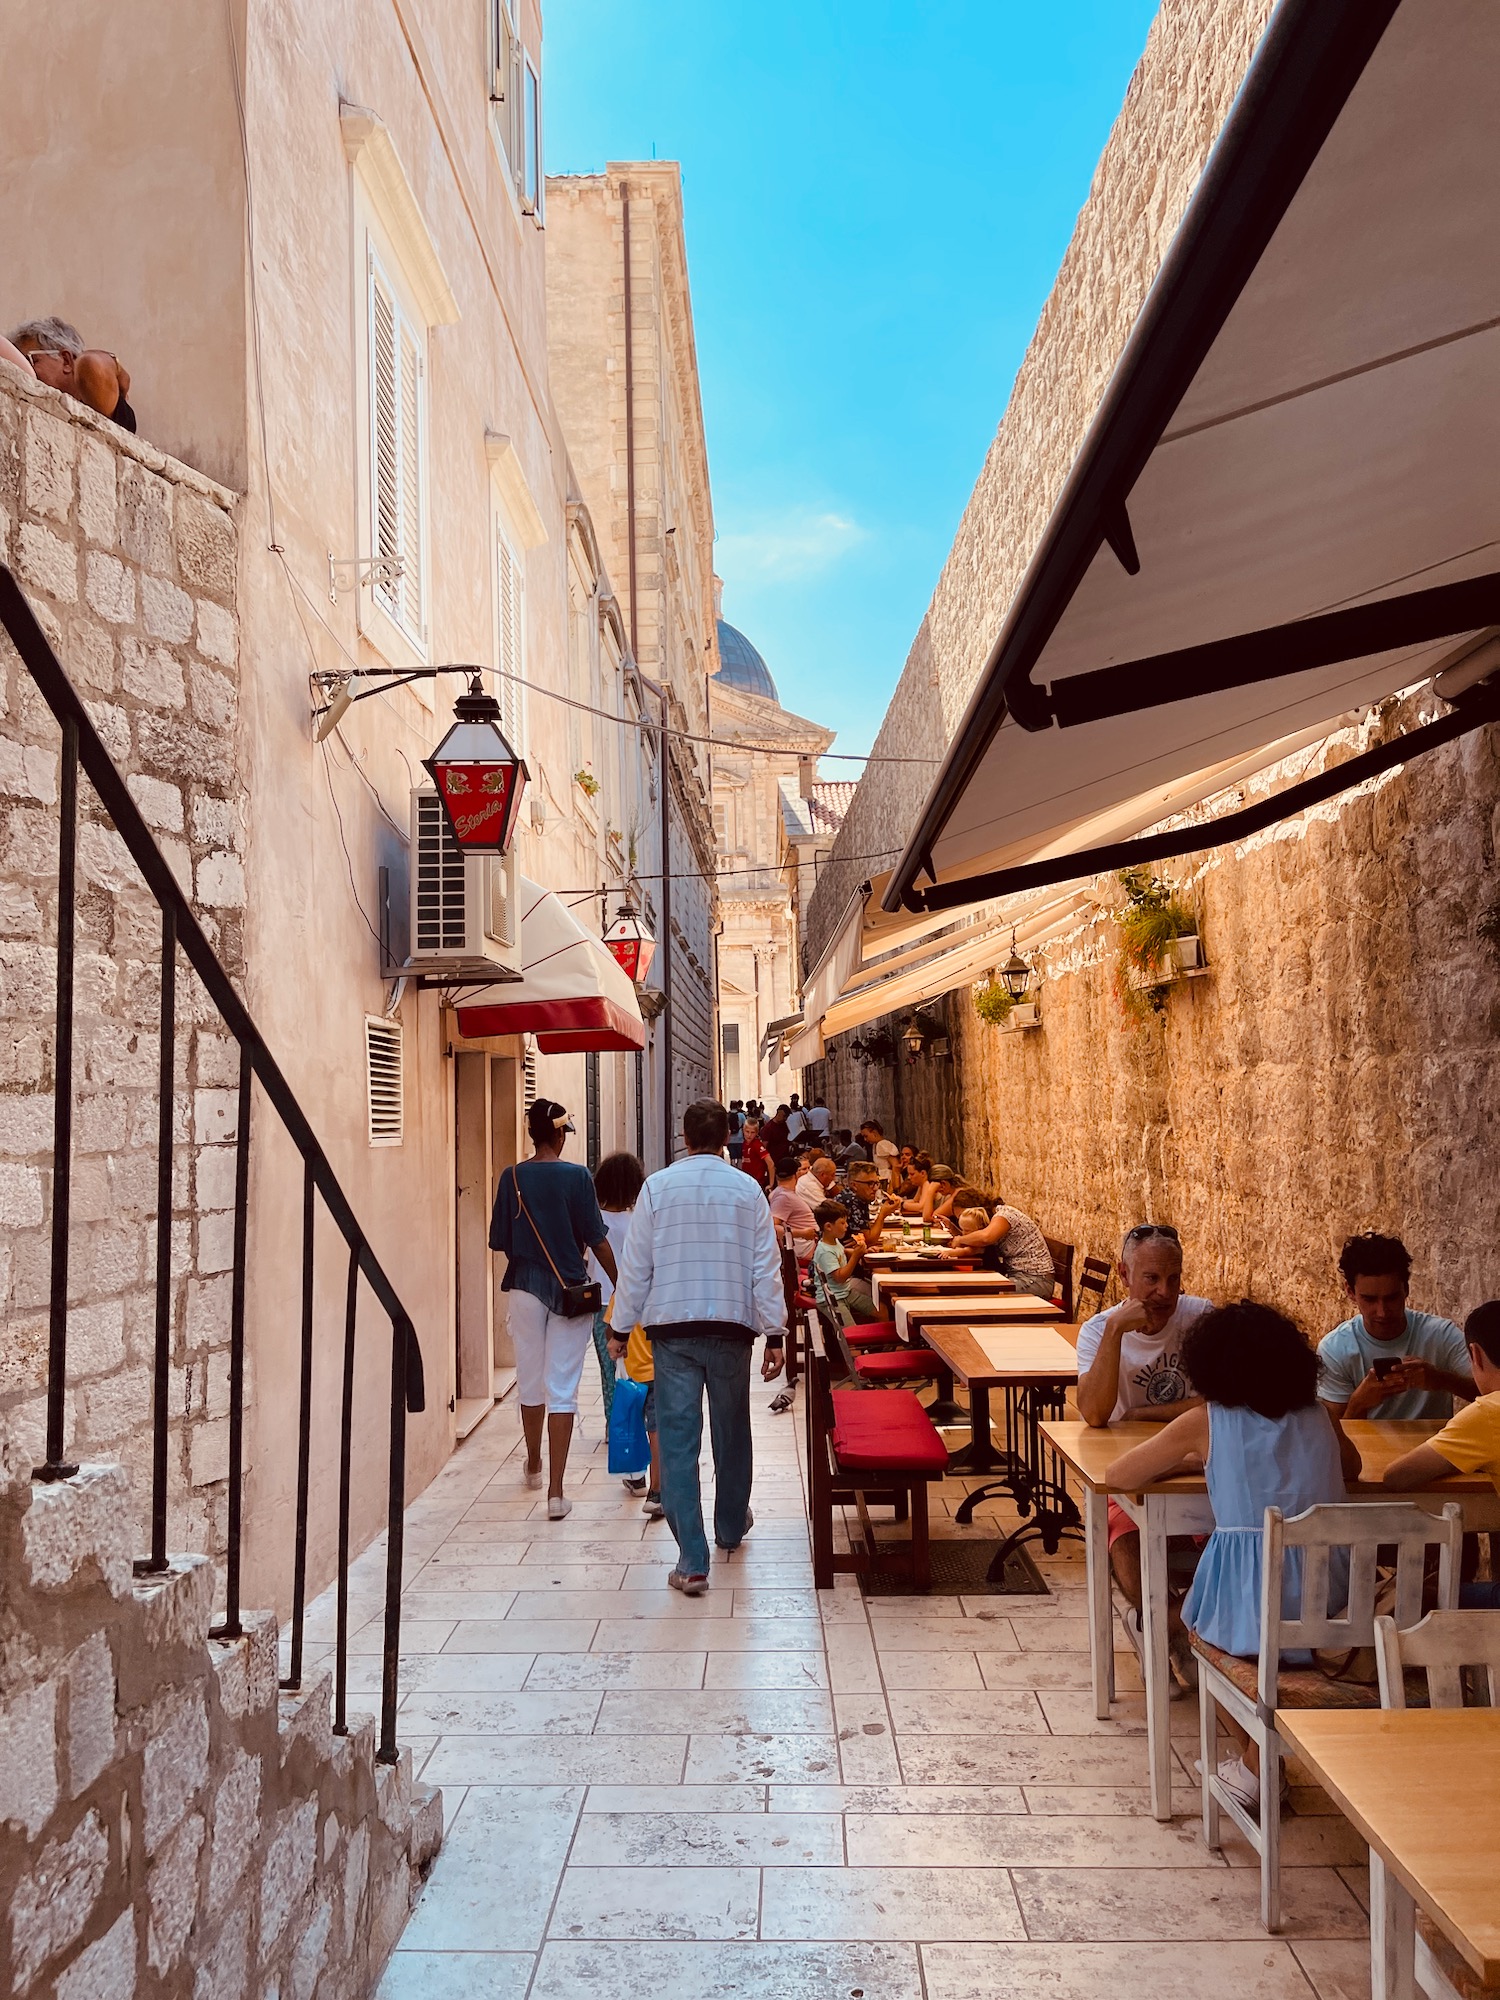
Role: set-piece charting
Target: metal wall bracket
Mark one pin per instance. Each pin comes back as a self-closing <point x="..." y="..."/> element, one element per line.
<point x="349" y="572"/>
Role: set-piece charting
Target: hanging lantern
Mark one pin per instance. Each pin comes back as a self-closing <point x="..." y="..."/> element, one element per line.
<point x="479" y="778"/>
<point x="1015" y="974"/>
<point x="630" y="943"/>
<point x="913" y="1038"/>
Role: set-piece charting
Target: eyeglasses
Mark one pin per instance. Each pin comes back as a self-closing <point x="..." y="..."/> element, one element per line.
<point x="1145" y="1230"/>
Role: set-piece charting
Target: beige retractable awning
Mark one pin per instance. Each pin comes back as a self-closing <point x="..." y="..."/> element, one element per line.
<point x="1287" y="506"/>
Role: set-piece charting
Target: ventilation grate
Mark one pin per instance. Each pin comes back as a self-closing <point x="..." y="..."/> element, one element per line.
<point x="440" y="881"/>
<point x="529" y="1080"/>
<point x="383" y="1081"/>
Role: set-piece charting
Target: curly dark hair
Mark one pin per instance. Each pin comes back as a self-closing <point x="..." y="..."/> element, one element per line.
<point x="618" y="1180"/>
<point x="1250" y="1356"/>
<point x="1371" y="1255"/>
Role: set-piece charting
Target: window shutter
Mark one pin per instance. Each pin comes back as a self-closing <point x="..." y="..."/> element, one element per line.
<point x="528" y="1081"/>
<point x="397" y="447"/>
<point x="512" y="661"/>
<point x="383" y="1081"/>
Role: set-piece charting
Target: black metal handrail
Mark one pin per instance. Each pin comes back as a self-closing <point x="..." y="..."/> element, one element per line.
<point x="83" y="750"/>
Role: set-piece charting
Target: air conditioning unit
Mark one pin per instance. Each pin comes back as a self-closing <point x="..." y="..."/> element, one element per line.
<point x="465" y="909"/>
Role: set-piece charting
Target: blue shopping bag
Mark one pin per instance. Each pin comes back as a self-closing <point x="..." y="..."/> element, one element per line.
<point x="629" y="1447"/>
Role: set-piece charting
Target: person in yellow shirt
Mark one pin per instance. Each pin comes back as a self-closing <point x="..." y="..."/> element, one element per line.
<point x="1469" y="1441"/>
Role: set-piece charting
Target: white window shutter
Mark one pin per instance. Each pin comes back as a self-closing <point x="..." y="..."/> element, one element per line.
<point x="398" y="420"/>
<point x="509" y="597"/>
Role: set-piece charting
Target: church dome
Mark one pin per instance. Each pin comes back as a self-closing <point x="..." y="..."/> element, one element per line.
<point x="742" y="666"/>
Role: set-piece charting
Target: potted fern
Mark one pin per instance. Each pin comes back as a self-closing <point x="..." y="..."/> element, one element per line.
<point x="1158" y="935"/>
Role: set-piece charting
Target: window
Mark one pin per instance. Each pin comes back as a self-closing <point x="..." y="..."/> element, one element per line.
<point x="510" y="637"/>
<point x="729" y="1039"/>
<point x="383" y="1081"/>
<point x="721" y="822"/>
<point x="398" y="441"/>
<point x="531" y="171"/>
<point x="505" y="84"/>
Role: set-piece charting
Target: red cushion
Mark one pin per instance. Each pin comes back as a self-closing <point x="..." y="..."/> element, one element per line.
<point x="888" y="1433"/>
<point x="898" y="1365"/>
<point x="878" y="1333"/>
<point x="806" y="1304"/>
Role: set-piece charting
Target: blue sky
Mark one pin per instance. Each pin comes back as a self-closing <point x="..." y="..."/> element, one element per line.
<point x="877" y="200"/>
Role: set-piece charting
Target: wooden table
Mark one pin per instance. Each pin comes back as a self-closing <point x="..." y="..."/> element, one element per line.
<point x="1422" y="1786"/>
<point x="903" y="1281"/>
<point x="1033" y="1366"/>
<point x="913" y="1311"/>
<point x="1180" y="1507"/>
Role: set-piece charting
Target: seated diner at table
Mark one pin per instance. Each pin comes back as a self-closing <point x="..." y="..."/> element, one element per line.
<point x="835" y="1262"/>
<point x="1388" y="1361"/>
<point x="1468" y="1442"/>
<point x="912" y="1182"/>
<point x="1011" y="1243"/>
<point x="1261" y="1439"/>
<point x="868" y="1205"/>
<point x="818" y="1179"/>
<point x="941" y="1181"/>
<point x="956" y="1200"/>
<point x="793" y="1213"/>
<point x="1130" y="1367"/>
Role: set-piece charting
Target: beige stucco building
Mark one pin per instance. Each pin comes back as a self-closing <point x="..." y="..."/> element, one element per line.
<point x="624" y="373"/>
<point x="330" y="289"/>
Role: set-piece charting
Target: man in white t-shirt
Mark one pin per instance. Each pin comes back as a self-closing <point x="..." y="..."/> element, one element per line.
<point x="882" y="1152"/>
<point x="1130" y="1366"/>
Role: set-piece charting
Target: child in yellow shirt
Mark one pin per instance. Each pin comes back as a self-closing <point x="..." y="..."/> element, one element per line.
<point x="1469" y="1441"/>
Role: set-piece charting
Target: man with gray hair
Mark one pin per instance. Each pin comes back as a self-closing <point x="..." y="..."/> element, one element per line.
<point x="1130" y="1366"/>
<point x="88" y="374"/>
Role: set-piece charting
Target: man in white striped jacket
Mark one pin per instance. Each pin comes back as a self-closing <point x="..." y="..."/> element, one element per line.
<point x="701" y="1272"/>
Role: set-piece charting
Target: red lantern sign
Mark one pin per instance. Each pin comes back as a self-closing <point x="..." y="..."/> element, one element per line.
<point x="479" y="778"/>
<point x="631" y="945"/>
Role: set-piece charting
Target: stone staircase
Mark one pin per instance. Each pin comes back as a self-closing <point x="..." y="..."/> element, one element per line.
<point x="171" y="1823"/>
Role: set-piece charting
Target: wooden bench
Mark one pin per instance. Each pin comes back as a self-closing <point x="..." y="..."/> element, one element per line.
<point x="869" y="1450"/>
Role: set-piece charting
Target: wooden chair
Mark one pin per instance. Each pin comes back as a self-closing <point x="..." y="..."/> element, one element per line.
<point x="1443" y="1647"/>
<point x="1097" y="1272"/>
<point x="1252" y="1690"/>
<point x="869" y="1451"/>
<point x="1062" y="1271"/>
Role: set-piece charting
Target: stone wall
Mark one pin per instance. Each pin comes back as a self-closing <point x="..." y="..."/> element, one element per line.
<point x="169" y="1823"/>
<point x="129" y="560"/>
<point x="1334" y="1070"/>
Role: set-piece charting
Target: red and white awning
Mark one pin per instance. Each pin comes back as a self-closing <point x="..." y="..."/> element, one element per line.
<point x="571" y="994"/>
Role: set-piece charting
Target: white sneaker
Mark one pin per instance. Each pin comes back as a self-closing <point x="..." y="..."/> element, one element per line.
<point x="557" y="1507"/>
<point x="1241" y="1783"/>
<point x="533" y="1479"/>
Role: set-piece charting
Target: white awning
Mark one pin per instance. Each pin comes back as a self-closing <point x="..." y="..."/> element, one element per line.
<point x="572" y="995"/>
<point x="1287" y="505"/>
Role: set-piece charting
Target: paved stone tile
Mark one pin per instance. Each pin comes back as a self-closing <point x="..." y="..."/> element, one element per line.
<point x="717" y="1635"/>
<point x="687" y="1903"/>
<point x="457" y="1604"/>
<point x="1264" y="1971"/>
<point x="617" y="1670"/>
<point x="1071" y="1713"/>
<point x="418" y="1635"/>
<point x="702" y="1839"/>
<point x="522" y="1635"/>
<point x="1090" y="1801"/>
<point x="729" y="1971"/>
<point x="500" y="1715"/>
<point x="954" y="1669"/>
<point x="1337" y="1971"/>
<point x="891" y="1904"/>
<point x="867" y="1745"/>
<point x="677" y="1798"/>
<point x="937" y="1635"/>
<point x="1102" y="1904"/>
<point x="447" y="1673"/>
<point x="1021" y="1760"/>
<point x="1018" y="1840"/>
<point x="722" y="1760"/>
<point x="572" y="1760"/>
<point x="497" y="1872"/>
<point x="898" y="1798"/>
<point x="456" y="1975"/>
<point x="995" y="1711"/>
<point x="728" y="1712"/>
<point x="766" y="1670"/>
<point x="1066" y="1671"/>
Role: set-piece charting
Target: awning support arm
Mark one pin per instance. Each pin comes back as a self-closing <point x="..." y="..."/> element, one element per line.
<point x="1472" y="711"/>
<point x="1414" y="619"/>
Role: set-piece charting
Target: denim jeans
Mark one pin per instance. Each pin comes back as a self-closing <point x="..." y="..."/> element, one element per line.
<point x="606" y="1366"/>
<point x="1478" y="1596"/>
<point x="686" y="1366"/>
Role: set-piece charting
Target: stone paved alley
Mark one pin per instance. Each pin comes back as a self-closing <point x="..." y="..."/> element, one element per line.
<point x="775" y="1791"/>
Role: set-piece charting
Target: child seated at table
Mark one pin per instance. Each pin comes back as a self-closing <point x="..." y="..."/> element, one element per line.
<point x="834" y="1264"/>
<point x="1469" y="1441"/>
<point x="1262" y="1439"/>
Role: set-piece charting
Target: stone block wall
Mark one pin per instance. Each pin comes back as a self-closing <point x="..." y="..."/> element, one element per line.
<point x="169" y="1822"/>
<point x="129" y="560"/>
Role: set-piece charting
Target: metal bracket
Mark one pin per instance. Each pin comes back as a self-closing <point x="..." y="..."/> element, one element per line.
<point x="349" y="572"/>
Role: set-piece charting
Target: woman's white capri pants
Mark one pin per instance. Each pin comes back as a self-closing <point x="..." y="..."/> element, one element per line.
<point x="550" y="1353"/>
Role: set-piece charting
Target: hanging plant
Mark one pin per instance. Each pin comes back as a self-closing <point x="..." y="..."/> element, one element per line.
<point x="993" y="1002"/>
<point x="875" y="1051"/>
<point x="587" y="782"/>
<point x="1149" y="926"/>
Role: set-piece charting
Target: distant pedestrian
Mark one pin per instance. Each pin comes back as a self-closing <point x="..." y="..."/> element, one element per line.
<point x="546" y="1218"/>
<point x="618" y="1180"/>
<point x="702" y="1274"/>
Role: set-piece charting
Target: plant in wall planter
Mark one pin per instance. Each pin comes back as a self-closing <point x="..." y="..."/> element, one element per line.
<point x="587" y="782"/>
<point x="1158" y="941"/>
<point x="993" y="1003"/>
<point x="1025" y="1014"/>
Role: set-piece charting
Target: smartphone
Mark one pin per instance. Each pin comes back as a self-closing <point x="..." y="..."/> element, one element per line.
<point x="1386" y="1365"/>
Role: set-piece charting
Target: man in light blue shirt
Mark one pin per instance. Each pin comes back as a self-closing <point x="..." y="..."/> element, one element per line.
<point x="1388" y="1361"/>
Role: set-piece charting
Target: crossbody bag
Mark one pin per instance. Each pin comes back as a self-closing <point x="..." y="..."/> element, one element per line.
<point x="577" y="1300"/>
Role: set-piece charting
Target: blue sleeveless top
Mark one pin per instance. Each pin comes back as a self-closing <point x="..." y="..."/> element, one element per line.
<point x="1255" y="1462"/>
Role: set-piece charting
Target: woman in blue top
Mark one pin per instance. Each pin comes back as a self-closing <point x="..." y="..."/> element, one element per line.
<point x="1262" y="1439"/>
<point x="546" y="1217"/>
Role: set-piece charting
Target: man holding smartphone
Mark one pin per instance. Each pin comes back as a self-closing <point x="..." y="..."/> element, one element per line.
<point x="1388" y="1361"/>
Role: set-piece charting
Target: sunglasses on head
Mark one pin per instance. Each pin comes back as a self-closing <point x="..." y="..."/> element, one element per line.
<point x="1144" y="1230"/>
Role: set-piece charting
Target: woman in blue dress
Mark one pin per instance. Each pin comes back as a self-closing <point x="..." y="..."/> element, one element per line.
<point x="1262" y="1439"/>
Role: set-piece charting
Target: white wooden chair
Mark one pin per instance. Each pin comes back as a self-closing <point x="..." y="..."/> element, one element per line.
<point x="1442" y="1646"/>
<point x="1251" y="1690"/>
